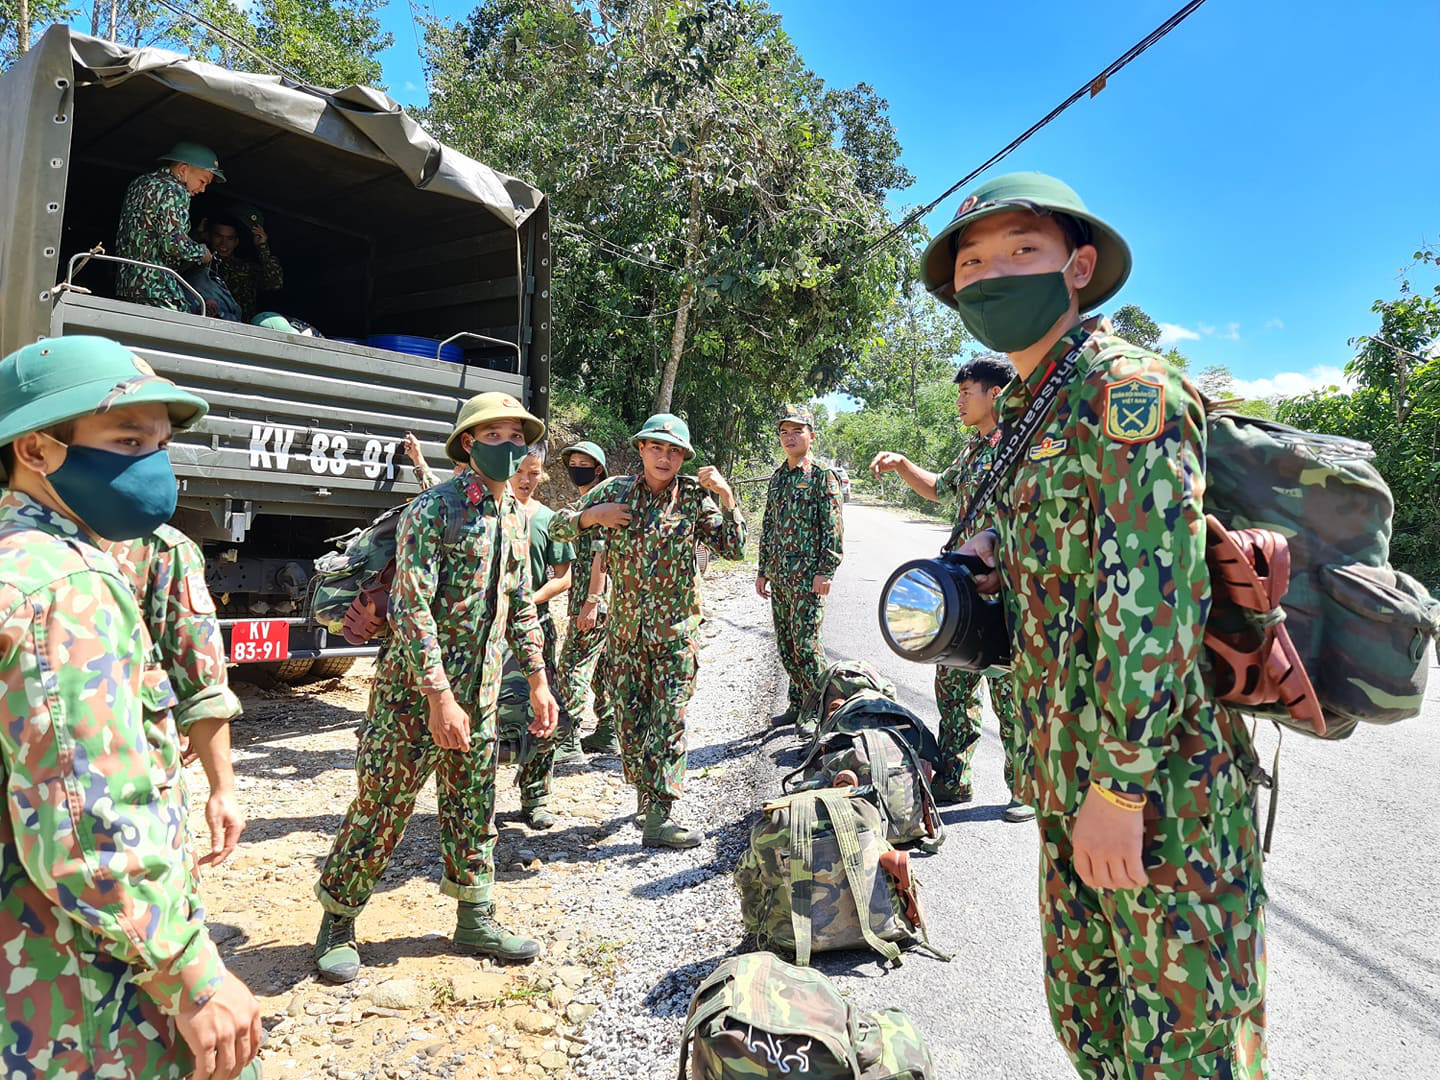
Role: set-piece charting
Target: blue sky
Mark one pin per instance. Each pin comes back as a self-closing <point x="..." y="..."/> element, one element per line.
<point x="1272" y="163"/>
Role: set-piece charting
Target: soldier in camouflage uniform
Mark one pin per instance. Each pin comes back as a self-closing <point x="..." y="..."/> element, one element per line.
<point x="584" y="647"/>
<point x="155" y="227"/>
<point x="432" y="708"/>
<point x="957" y="691"/>
<point x="166" y="572"/>
<point x="245" y="277"/>
<point x="654" y="521"/>
<point x="106" y="962"/>
<point x="1151" y="887"/>
<point x="802" y="540"/>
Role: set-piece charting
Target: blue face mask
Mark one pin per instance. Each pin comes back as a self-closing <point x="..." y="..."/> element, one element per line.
<point x="118" y="496"/>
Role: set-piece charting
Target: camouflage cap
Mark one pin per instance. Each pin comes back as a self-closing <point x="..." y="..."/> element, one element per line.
<point x="665" y="428"/>
<point x="196" y="154"/>
<point x="64" y="378"/>
<point x="790" y="413"/>
<point x="1039" y="194"/>
<point x="486" y="408"/>
<point x="585" y="448"/>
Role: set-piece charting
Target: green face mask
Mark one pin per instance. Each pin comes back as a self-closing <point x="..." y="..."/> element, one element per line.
<point x="1010" y="314"/>
<point x="498" y="461"/>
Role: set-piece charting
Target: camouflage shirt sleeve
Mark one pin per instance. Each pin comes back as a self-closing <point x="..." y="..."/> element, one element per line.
<point x="181" y="615"/>
<point x="172" y="228"/>
<point x="565" y="525"/>
<point x="722" y="531"/>
<point x="768" y="547"/>
<point x="98" y="830"/>
<point x="272" y="275"/>
<point x="419" y="540"/>
<point x="1151" y="579"/>
<point x="527" y="639"/>
<point x="832" y="526"/>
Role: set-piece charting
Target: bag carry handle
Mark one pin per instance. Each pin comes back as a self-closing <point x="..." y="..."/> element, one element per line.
<point x="851" y="858"/>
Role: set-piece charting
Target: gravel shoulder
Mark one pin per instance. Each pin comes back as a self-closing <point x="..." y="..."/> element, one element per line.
<point x="628" y="931"/>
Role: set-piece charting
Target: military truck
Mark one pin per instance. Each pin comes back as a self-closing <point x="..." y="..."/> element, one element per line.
<point x="380" y="230"/>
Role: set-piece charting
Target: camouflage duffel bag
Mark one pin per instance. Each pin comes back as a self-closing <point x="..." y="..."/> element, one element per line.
<point x="871" y="709"/>
<point x="819" y="875"/>
<point x="514" y="745"/>
<point x="841" y="680"/>
<point x="881" y="763"/>
<point x="757" y="1017"/>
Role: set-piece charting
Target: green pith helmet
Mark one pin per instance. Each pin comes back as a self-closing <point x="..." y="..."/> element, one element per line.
<point x="1038" y="193"/>
<point x="196" y="154"/>
<point x="482" y="409"/>
<point x="796" y="414"/>
<point x="667" y="428"/>
<point x="64" y="378"/>
<point x="585" y="448"/>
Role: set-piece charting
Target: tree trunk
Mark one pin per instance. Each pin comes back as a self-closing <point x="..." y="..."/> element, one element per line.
<point x="22" y="26"/>
<point x="95" y="18"/>
<point x="687" y="294"/>
<point x="114" y="17"/>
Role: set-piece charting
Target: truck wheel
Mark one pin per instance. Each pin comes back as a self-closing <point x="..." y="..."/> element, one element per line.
<point x="293" y="670"/>
<point x="332" y="667"/>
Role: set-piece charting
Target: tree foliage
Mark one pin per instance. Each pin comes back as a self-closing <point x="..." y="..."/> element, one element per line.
<point x="709" y="193"/>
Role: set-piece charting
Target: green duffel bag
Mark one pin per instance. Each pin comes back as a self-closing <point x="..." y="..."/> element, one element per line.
<point x="757" y="1017"/>
<point x="514" y="745"/>
<point x="819" y="875"/>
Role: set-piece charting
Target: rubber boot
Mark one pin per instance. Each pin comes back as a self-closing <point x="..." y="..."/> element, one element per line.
<point x="569" y="750"/>
<point x="603" y="740"/>
<point x="336" y="956"/>
<point x="538" y="816"/>
<point x="1018" y="811"/>
<point x="948" y="794"/>
<point x="660" y="831"/>
<point x="476" y="931"/>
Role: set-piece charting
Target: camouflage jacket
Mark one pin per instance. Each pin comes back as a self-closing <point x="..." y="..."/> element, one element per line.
<point x="248" y="278"/>
<point x="1103" y="545"/>
<point x="654" y="583"/>
<point x="99" y="911"/>
<point x="166" y="572"/>
<point x="803" y="531"/>
<point x="155" y="228"/>
<point x="966" y="474"/>
<point x="589" y="543"/>
<point x="453" y="609"/>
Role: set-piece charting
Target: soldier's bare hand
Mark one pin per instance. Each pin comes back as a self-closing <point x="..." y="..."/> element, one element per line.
<point x="413" y="451"/>
<point x="1108" y="842"/>
<point x="821" y="585"/>
<point x="762" y="586"/>
<point x="449" y="723"/>
<point x="611" y="515"/>
<point x="225" y="1033"/>
<point x="222" y="814"/>
<point x="886" y="461"/>
<point x="589" y="615"/>
<point x="546" y="710"/>
<point x="711" y="480"/>
<point x="986" y="545"/>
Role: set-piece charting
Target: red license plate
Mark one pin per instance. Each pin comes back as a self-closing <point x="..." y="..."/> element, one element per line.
<point x="256" y="640"/>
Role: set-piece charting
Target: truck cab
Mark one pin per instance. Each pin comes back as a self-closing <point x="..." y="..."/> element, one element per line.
<point x="391" y="244"/>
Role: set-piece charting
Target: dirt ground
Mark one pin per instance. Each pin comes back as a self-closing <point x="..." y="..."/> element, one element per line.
<point x="417" y="1010"/>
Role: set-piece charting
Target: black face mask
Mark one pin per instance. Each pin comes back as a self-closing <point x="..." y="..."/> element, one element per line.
<point x="582" y="475"/>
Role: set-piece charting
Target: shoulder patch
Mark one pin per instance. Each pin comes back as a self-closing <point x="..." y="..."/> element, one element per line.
<point x="1134" y="409"/>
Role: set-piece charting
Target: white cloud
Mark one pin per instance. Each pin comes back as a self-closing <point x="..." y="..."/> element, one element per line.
<point x="410" y="86"/>
<point x="1274" y="324"/>
<point x="1231" y="332"/>
<point x="1206" y="329"/>
<point x="1171" y="334"/>
<point x="1290" y="383"/>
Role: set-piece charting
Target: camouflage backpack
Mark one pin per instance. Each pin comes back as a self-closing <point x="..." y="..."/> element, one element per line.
<point x="757" y="1017"/>
<point x="360" y="571"/>
<point x="869" y="709"/>
<point x="1350" y="631"/>
<point x="842" y="679"/>
<point x="514" y="745"/>
<point x="884" y="767"/>
<point x="819" y="875"/>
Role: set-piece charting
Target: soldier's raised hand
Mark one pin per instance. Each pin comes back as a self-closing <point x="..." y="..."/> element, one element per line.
<point x="711" y="480"/>
<point x="886" y="461"/>
<point x="413" y="451"/>
<point x="611" y="515"/>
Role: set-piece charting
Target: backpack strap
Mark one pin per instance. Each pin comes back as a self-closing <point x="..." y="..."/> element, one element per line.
<point x="842" y="820"/>
<point x="933" y="822"/>
<point x="454" y="501"/>
<point x="705" y="1013"/>
<point x="801" y="872"/>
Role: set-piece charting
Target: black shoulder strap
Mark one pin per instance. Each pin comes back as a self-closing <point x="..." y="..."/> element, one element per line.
<point x="1018" y="439"/>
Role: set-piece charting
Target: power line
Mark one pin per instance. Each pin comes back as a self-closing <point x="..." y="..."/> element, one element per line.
<point x="243" y="46"/>
<point x="1093" y="87"/>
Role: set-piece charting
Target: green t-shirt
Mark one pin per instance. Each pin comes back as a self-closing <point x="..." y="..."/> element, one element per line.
<point x="544" y="552"/>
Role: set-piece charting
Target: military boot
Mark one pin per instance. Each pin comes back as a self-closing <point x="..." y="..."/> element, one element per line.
<point x="949" y="793"/>
<point x="477" y="931"/>
<point x="786" y="717"/>
<point x="538" y="816"/>
<point x="660" y="831"/>
<point x="642" y="808"/>
<point x="569" y="750"/>
<point x="603" y="740"/>
<point x="336" y="956"/>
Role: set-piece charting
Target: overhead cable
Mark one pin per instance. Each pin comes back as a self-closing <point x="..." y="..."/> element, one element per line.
<point x="240" y="44"/>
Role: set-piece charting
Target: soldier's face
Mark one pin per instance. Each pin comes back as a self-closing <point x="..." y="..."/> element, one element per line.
<point x="662" y="460"/>
<point x="496" y="431"/>
<point x="1017" y="242"/>
<point x="224" y="240"/>
<point x="134" y="430"/>
<point x="195" y="180"/>
<point x="527" y="478"/>
<point x="795" y="439"/>
<point x="976" y="403"/>
<point x="581" y="460"/>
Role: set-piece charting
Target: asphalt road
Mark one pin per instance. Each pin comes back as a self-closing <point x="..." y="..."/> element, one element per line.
<point x="1354" y="914"/>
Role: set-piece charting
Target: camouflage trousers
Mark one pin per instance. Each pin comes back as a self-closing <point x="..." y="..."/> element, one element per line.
<point x="581" y="655"/>
<point x="797" y="613"/>
<point x="395" y="757"/>
<point x="536" y="778"/>
<point x="1165" y="982"/>
<point x="650" y="684"/>
<point x="957" y="694"/>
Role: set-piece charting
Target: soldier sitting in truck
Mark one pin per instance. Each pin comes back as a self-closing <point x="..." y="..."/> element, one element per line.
<point x="248" y="269"/>
<point x="155" y="227"/>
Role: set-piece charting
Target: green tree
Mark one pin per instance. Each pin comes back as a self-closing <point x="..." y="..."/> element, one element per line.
<point x="1136" y="327"/>
<point x="20" y="20"/>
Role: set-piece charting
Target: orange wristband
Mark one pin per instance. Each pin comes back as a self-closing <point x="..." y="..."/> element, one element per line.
<point x="1122" y="801"/>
